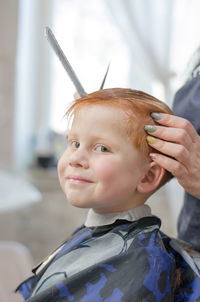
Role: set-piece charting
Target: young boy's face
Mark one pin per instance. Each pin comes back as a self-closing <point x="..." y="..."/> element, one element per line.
<point x="100" y="168"/>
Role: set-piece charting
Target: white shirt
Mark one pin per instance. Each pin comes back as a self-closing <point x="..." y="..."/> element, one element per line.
<point x="94" y="219"/>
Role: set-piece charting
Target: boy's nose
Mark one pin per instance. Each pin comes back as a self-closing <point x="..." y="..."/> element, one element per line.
<point x="79" y="159"/>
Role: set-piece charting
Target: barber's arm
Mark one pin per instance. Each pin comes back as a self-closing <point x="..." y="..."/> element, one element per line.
<point x="180" y="143"/>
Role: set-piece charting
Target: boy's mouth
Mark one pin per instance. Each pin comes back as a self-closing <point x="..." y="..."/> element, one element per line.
<point x="77" y="179"/>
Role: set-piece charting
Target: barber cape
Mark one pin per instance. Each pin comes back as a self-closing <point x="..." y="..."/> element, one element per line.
<point x="124" y="261"/>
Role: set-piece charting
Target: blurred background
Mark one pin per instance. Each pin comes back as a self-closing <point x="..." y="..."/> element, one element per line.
<point x="148" y="43"/>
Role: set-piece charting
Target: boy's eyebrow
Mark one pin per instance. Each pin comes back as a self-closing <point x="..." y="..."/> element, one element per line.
<point x="71" y="134"/>
<point x="93" y="137"/>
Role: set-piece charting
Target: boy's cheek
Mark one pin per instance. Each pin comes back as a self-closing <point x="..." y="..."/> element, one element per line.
<point x="61" y="168"/>
<point x="106" y="169"/>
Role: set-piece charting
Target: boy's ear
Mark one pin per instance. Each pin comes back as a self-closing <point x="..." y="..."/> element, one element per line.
<point x="152" y="178"/>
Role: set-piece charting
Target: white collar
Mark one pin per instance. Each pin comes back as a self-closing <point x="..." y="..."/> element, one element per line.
<point x="94" y="219"/>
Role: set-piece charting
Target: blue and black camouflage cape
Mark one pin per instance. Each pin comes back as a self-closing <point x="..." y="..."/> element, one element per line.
<point x="122" y="262"/>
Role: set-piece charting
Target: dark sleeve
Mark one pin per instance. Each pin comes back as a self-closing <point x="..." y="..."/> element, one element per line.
<point x="189" y="221"/>
<point x="187" y="105"/>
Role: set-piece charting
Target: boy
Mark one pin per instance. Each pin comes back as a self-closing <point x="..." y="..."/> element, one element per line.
<point x="119" y="254"/>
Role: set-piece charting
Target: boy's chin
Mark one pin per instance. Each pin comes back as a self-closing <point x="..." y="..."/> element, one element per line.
<point x="77" y="203"/>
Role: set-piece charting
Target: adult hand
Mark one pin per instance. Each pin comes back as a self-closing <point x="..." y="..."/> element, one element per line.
<point x="178" y="140"/>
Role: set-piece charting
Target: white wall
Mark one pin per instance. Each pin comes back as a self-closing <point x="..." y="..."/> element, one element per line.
<point x="8" y="36"/>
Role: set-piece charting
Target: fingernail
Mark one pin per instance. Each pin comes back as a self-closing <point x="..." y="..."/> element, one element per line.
<point x="150" y="128"/>
<point x="151" y="139"/>
<point x="154" y="156"/>
<point x="156" y="116"/>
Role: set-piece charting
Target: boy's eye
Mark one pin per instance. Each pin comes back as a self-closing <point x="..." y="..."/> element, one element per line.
<point x="75" y="144"/>
<point x="101" y="149"/>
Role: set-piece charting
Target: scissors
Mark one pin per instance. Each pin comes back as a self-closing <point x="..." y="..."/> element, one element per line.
<point x="67" y="66"/>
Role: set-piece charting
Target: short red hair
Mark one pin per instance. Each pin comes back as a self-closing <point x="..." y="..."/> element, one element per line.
<point x="137" y="105"/>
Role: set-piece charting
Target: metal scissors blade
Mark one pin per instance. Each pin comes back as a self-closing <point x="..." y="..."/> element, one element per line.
<point x="105" y="76"/>
<point x="60" y="54"/>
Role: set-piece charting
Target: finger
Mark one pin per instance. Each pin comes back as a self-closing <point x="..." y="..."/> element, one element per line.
<point x="177" y="122"/>
<point x="175" y="135"/>
<point x="169" y="164"/>
<point x="177" y="151"/>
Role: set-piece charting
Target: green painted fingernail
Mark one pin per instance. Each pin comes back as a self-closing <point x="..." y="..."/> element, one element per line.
<point x="156" y="116"/>
<point x="150" y="128"/>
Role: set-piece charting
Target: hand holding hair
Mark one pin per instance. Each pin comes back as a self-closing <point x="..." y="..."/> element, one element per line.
<point x="179" y="142"/>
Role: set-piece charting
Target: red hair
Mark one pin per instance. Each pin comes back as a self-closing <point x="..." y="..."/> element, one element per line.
<point x="137" y="106"/>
